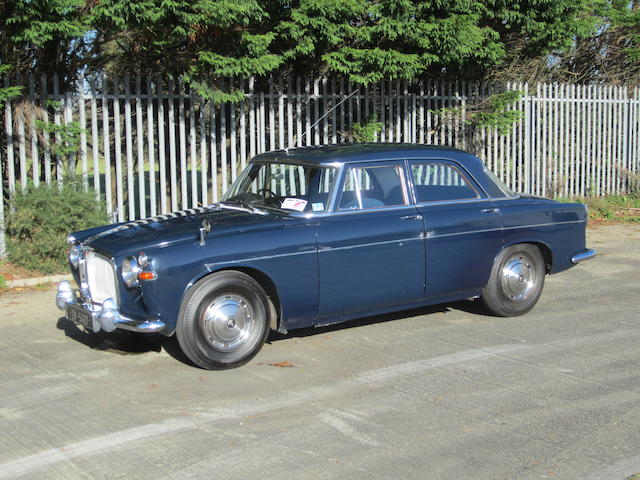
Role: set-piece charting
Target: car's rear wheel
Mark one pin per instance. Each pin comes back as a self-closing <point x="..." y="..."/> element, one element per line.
<point x="516" y="281"/>
<point x="223" y="321"/>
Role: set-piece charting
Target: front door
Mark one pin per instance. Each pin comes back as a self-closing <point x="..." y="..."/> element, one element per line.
<point x="371" y="250"/>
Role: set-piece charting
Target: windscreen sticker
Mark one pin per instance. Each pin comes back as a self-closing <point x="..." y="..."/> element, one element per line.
<point x="317" y="207"/>
<point x="294" y="204"/>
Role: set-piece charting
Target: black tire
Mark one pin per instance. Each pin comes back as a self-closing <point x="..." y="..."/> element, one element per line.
<point x="223" y="321"/>
<point x="516" y="281"/>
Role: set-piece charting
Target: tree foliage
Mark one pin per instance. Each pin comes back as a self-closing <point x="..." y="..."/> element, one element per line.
<point x="45" y="36"/>
<point x="8" y="92"/>
<point x="363" y="40"/>
<point x="201" y="41"/>
<point x="365" y="132"/>
<point x="611" y="53"/>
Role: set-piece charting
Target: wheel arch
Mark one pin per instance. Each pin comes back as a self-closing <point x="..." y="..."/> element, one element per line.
<point x="264" y="280"/>
<point x="544" y="248"/>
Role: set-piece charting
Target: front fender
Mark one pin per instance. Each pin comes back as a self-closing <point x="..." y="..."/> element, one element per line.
<point x="286" y="256"/>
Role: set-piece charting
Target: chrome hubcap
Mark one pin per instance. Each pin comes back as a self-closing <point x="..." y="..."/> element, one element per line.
<point x="227" y="322"/>
<point x="518" y="277"/>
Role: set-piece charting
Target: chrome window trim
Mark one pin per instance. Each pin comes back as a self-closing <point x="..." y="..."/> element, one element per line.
<point x="291" y="161"/>
<point x="449" y="160"/>
<point x="449" y="163"/>
<point x="455" y="202"/>
<point x="373" y="210"/>
<point x="398" y="164"/>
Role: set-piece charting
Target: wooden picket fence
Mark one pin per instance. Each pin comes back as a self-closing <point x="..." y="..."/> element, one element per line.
<point x="149" y="146"/>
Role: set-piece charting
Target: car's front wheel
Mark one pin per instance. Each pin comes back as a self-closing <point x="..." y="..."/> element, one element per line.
<point x="223" y="321"/>
<point x="516" y="281"/>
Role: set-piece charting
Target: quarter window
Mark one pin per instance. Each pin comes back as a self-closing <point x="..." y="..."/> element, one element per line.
<point x="372" y="187"/>
<point x="436" y="182"/>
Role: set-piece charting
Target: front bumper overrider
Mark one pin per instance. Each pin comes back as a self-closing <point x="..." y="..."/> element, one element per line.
<point x="104" y="317"/>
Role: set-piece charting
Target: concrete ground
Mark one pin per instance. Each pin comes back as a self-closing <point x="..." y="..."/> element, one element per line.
<point x="444" y="392"/>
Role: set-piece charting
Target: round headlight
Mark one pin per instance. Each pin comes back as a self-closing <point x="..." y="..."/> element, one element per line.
<point x="130" y="271"/>
<point x="74" y="256"/>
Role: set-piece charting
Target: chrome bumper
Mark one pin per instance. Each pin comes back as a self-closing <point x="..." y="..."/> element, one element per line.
<point x="583" y="256"/>
<point x="106" y="317"/>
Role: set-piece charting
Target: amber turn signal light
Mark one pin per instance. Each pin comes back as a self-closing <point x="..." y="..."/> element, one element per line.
<point x="147" y="275"/>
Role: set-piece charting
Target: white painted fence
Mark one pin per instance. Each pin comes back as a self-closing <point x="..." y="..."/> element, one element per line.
<point x="149" y="147"/>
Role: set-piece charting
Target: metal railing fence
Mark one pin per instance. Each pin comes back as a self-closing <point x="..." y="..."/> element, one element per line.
<point x="149" y="146"/>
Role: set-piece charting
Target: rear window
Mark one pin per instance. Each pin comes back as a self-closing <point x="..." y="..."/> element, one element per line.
<point x="438" y="182"/>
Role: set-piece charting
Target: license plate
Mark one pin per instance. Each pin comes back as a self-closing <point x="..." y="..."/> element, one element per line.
<point x="80" y="316"/>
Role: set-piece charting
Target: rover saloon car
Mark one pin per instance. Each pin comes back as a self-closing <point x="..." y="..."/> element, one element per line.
<point x="319" y="235"/>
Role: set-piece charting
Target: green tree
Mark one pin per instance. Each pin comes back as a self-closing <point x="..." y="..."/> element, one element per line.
<point x="610" y="53"/>
<point x="201" y="40"/>
<point x="405" y="39"/>
<point x="364" y="40"/>
<point x="44" y="36"/>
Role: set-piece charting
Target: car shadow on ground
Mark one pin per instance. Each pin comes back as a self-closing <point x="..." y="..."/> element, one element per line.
<point x="121" y="342"/>
<point x="474" y="307"/>
<point x="130" y="343"/>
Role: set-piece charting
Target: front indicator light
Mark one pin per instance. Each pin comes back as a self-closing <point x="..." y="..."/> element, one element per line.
<point x="147" y="275"/>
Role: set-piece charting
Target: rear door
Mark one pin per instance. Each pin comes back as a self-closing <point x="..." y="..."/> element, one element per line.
<point x="371" y="250"/>
<point x="463" y="227"/>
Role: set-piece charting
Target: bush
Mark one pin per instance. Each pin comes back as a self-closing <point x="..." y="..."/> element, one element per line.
<point x="3" y="282"/>
<point x="39" y="220"/>
<point x="366" y="132"/>
<point x="617" y="208"/>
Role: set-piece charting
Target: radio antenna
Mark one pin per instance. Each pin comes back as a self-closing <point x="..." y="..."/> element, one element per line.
<point x="329" y="111"/>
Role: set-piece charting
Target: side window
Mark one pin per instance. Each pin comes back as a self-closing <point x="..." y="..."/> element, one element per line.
<point x="436" y="182"/>
<point x="372" y="187"/>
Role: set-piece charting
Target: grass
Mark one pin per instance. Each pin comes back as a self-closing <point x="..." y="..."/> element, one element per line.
<point x="3" y="282"/>
<point x="635" y="476"/>
<point x="617" y="208"/>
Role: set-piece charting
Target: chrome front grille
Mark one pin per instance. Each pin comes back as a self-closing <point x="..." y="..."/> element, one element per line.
<point x="100" y="277"/>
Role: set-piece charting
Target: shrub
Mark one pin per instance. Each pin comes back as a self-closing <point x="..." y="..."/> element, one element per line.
<point x="366" y="132"/>
<point x="3" y="282"/>
<point x="39" y="220"/>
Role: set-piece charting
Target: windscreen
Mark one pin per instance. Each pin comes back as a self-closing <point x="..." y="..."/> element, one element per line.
<point x="285" y="186"/>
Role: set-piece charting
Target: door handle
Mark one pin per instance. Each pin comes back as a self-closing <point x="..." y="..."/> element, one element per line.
<point x="411" y="217"/>
<point x="490" y="210"/>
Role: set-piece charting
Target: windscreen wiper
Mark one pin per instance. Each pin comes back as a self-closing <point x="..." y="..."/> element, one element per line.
<point x="242" y="206"/>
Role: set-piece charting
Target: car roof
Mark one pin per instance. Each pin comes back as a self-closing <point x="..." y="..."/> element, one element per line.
<point x="362" y="152"/>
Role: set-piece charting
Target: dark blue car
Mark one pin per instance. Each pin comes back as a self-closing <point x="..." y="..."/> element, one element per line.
<point x="316" y="236"/>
